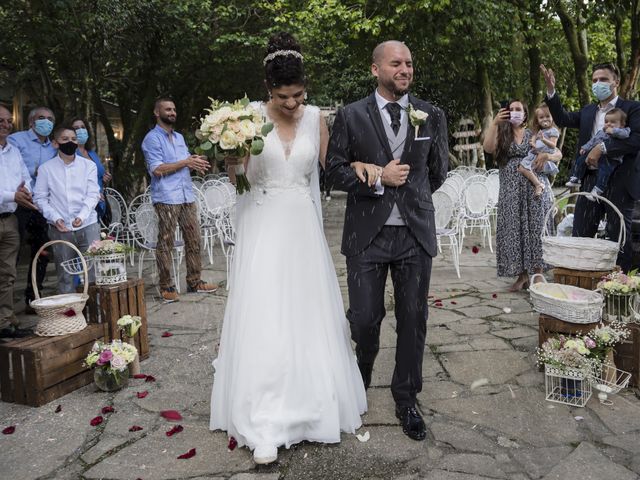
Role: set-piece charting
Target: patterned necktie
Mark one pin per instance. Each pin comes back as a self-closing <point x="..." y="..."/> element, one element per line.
<point x="394" y="111"/>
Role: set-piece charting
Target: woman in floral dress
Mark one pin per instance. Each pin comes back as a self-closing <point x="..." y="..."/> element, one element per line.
<point x="520" y="212"/>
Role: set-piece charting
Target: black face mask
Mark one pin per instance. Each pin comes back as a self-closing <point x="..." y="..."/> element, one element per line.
<point x="68" y="148"/>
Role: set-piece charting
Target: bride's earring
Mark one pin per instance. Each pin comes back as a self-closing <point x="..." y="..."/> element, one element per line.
<point x="270" y="96"/>
<point x="305" y="96"/>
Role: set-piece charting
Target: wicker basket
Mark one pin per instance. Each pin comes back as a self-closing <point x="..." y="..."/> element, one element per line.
<point x="581" y="253"/>
<point x="59" y="314"/>
<point x="568" y="310"/>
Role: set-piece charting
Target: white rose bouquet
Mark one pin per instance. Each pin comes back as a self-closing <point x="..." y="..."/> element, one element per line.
<point x="130" y="324"/>
<point x="233" y="130"/>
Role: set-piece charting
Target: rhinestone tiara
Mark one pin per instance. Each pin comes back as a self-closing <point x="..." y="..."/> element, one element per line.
<point x="282" y="53"/>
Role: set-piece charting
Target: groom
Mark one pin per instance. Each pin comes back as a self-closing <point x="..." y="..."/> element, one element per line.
<point x="390" y="224"/>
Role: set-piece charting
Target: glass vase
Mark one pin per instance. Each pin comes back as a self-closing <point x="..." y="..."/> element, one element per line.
<point x="110" y="381"/>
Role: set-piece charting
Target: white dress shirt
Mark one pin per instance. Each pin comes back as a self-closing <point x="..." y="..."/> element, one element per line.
<point x="598" y="124"/>
<point x="386" y="116"/>
<point x="382" y="106"/>
<point x="68" y="191"/>
<point x="13" y="173"/>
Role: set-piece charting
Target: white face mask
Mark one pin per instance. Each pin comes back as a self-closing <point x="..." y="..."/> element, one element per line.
<point x="516" y="118"/>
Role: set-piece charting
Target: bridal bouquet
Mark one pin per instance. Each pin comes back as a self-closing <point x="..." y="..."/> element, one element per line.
<point x="233" y="130"/>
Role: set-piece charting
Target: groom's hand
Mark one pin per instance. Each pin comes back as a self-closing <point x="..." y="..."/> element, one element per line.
<point x="394" y="174"/>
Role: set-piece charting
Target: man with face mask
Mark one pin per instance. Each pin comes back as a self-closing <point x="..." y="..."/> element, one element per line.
<point x="36" y="149"/>
<point x="67" y="193"/>
<point x="624" y="183"/>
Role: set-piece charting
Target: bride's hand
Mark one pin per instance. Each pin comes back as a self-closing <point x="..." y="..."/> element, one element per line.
<point x="373" y="172"/>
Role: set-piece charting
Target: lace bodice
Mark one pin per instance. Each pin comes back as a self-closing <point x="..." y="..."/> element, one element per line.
<point x="273" y="169"/>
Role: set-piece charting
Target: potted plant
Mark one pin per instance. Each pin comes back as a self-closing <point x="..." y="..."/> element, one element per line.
<point x="110" y="362"/>
<point x="129" y="326"/>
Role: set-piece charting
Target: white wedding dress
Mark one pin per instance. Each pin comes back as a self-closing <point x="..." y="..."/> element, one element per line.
<point x="285" y="370"/>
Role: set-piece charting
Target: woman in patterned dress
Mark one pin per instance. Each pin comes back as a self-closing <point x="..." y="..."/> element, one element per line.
<point x="520" y="212"/>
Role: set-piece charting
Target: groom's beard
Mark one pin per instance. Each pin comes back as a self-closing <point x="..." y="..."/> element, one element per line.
<point x="391" y="87"/>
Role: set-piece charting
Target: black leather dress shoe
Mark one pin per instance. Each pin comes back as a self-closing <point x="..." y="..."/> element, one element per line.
<point x="412" y="424"/>
<point x="14" y="332"/>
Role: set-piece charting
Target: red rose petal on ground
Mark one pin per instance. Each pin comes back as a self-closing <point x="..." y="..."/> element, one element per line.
<point x="140" y="375"/>
<point x="189" y="454"/>
<point x="69" y="313"/>
<point x="166" y="334"/>
<point x="495" y="295"/>
<point x="171" y="415"/>
<point x="438" y="300"/>
<point x="475" y="249"/>
<point x="9" y="430"/>
<point x="58" y="408"/>
<point x="108" y="409"/>
<point x="150" y="378"/>
<point x="96" y="421"/>
<point x="453" y="302"/>
<point x="135" y="428"/>
<point x="233" y="443"/>
<point x="174" y="430"/>
<point x="142" y="394"/>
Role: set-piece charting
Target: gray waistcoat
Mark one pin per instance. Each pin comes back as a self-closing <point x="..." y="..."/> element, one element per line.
<point x="396" y="143"/>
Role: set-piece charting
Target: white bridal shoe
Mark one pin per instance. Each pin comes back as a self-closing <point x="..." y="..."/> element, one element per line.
<point x="264" y="454"/>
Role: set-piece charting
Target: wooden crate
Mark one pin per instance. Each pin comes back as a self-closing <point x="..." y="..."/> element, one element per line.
<point x="36" y="370"/>
<point x="627" y="355"/>
<point x="107" y="303"/>
<point x="549" y="327"/>
<point x="579" y="278"/>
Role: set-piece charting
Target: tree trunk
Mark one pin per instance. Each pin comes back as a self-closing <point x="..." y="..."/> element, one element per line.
<point x="575" y="34"/>
<point x="629" y="82"/>
<point x="486" y="105"/>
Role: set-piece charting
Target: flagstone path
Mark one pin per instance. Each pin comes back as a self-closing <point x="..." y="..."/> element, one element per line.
<point x="480" y="336"/>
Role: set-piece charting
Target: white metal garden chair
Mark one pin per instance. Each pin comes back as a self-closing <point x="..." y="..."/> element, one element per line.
<point x="146" y="228"/>
<point x="474" y="212"/>
<point x="447" y="226"/>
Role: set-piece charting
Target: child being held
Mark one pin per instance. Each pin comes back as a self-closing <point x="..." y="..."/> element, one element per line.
<point x="544" y="141"/>
<point x="613" y="127"/>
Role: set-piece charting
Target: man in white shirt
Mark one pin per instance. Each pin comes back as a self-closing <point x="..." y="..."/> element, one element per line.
<point x="67" y="193"/>
<point x="15" y="187"/>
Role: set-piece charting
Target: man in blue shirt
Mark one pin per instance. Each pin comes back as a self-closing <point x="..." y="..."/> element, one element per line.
<point x="168" y="163"/>
<point x="36" y="148"/>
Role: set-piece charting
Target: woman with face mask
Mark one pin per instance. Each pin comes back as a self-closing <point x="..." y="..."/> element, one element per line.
<point x="85" y="149"/>
<point x="520" y="211"/>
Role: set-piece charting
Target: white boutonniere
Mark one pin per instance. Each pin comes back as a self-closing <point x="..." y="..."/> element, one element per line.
<point x="417" y="118"/>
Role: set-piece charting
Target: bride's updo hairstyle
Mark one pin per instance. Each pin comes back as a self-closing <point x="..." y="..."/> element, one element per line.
<point x="283" y="62"/>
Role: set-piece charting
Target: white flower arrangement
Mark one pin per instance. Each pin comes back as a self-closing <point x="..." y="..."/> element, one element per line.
<point x="233" y="130"/>
<point x="620" y="283"/>
<point x="113" y="357"/>
<point x="129" y="324"/>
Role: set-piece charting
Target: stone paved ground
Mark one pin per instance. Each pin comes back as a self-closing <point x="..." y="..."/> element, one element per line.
<point x="503" y="429"/>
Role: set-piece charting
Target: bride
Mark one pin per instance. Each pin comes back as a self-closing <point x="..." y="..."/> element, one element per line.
<point x="285" y="370"/>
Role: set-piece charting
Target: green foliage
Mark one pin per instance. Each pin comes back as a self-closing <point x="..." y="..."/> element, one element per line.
<point x="72" y="55"/>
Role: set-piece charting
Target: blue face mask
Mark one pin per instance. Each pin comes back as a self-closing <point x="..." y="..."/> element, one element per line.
<point x="601" y="90"/>
<point x="82" y="134"/>
<point x="43" y="127"/>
